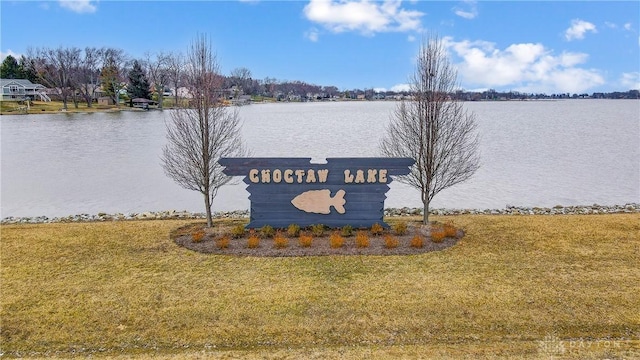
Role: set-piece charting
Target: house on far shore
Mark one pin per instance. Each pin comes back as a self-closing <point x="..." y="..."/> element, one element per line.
<point x="22" y="89"/>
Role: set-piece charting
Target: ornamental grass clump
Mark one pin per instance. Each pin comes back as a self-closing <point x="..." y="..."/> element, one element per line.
<point x="280" y="241"/>
<point x="293" y="230"/>
<point x="400" y="228"/>
<point x="417" y="241"/>
<point x="347" y="230"/>
<point x="390" y="241"/>
<point x="254" y="240"/>
<point x="223" y="242"/>
<point x="317" y="230"/>
<point x="267" y="231"/>
<point x="305" y="240"/>
<point x="449" y="230"/>
<point x="376" y="229"/>
<point x="197" y="236"/>
<point x="336" y="240"/>
<point x="237" y="231"/>
<point x="362" y="239"/>
<point x="438" y="234"/>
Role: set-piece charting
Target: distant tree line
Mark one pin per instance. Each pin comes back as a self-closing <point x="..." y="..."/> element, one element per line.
<point x="80" y="74"/>
<point x="515" y="95"/>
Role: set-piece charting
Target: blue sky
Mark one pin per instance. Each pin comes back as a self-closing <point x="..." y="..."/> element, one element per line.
<point x="543" y="46"/>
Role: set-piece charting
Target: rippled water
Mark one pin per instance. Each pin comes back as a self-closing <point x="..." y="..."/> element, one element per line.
<point x="534" y="153"/>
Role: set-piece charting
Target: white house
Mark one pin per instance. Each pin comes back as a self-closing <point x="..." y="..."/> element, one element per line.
<point x="21" y="89"/>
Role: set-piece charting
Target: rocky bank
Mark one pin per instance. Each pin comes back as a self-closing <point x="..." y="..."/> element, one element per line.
<point x="390" y="212"/>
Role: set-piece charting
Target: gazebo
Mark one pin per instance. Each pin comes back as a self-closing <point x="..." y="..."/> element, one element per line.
<point x="142" y="103"/>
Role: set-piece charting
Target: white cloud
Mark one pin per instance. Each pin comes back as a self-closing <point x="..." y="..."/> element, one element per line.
<point x="364" y="16"/>
<point x="79" y="6"/>
<point x="312" y="35"/>
<point x="578" y="29"/>
<point x="401" y="87"/>
<point x="630" y="81"/>
<point x="470" y="13"/>
<point x="523" y="67"/>
<point x="411" y="38"/>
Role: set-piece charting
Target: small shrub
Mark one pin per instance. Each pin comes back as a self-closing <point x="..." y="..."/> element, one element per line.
<point x="416" y="241"/>
<point x="305" y="240"/>
<point x="437" y="234"/>
<point x="280" y="241"/>
<point x="347" y="230"/>
<point x="253" y="241"/>
<point x="400" y="228"/>
<point x="317" y="230"/>
<point x="362" y="239"/>
<point x="391" y="241"/>
<point x="376" y="229"/>
<point x="267" y="231"/>
<point x="293" y="230"/>
<point x="450" y="230"/>
<point x="197" y="236"/>
<point x="223" y="242"/>
<point x="336" y="240"/>
<point x="237" y="231"/>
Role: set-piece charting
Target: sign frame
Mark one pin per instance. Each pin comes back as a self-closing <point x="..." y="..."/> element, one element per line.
<point x="335" y="193"/>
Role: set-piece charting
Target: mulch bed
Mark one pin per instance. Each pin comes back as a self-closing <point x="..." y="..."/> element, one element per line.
<point x="319" y="247"/>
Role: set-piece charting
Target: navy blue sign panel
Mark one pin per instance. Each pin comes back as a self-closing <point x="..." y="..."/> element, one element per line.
<point x="342" y="191"/>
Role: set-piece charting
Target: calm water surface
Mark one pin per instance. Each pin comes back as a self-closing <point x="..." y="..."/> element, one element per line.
<point x="534" y="153"/>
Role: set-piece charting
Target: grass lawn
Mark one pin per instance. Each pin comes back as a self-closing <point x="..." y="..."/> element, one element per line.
<point x="523" y="287"/>
<point x="42" y="107"/>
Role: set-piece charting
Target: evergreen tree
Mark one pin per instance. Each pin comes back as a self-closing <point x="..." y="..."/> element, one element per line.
<point x="138" y="82"/>
<point x="10" y="69"/>
<point x="27" y="70"/>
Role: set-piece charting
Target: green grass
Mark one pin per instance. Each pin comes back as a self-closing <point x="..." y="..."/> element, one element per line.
<point x="42" y="107"/>
<point x="513" y="286"/>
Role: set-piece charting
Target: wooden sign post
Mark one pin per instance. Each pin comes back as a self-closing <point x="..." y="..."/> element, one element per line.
<point x="343" y="191"/>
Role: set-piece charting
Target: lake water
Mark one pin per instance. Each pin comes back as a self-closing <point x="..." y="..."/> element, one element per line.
<point x="534" y="153"/>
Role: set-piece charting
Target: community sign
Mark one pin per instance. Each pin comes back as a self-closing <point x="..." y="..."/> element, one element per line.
<point x="342" y="191"/>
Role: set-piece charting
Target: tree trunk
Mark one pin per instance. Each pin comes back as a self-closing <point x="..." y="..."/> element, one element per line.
<point x="207" y="205"/>
<point x="160" y="91"/>
<point x="425" y="213"/>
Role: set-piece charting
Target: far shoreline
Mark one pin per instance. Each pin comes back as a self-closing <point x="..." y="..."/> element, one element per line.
<point x="55" y="107"/>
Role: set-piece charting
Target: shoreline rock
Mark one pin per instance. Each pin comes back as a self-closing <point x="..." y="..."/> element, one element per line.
<point x="389" y="212"/>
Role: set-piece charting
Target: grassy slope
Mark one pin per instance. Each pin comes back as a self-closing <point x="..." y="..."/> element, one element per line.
<point x="512" y="282"/>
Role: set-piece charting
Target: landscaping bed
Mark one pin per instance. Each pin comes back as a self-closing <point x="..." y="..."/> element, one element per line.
<point x="413" y="240"/>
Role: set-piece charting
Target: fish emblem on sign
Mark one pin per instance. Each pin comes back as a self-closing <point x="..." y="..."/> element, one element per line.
<point x="320" y="201"/>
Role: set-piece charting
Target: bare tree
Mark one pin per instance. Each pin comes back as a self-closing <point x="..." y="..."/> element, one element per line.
<point x="433" y="128"/>
<point x="199" y="135"/>
<point x="157" y="70"/>
<point x="175" y="63"/>
<point x="55" y="68"/>
<point x="88" y="75"/>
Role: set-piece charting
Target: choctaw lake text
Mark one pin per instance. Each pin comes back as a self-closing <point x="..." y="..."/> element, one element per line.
<point x="309" y="176"/>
